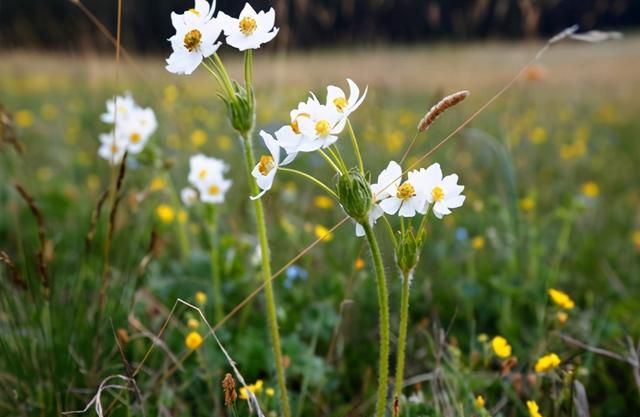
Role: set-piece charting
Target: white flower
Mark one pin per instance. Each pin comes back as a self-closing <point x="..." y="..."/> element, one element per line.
<point x="443" y="193"/>
<point x="289" y="136"/>
<point x="202" y="168"/>
<point x="374" y="214"/>
<point x="197" y="32"/>
<point x="112" y="147"/>
<point x="320" y="128"/>
<point x="188" y="196"/>
<point x="125" y="106"/>
<point x="265" y="170"/>
<point x="337" y="97"/>
<point x="213" y="190"/>
<point x="138" y="128"/>
<point x="250" y="29"/>
<point x="404" y="198"/>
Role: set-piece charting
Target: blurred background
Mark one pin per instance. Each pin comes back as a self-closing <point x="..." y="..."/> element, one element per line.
<point x="60" y="25"/>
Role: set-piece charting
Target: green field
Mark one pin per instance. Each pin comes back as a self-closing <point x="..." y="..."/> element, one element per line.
<point x="551" y="177"/>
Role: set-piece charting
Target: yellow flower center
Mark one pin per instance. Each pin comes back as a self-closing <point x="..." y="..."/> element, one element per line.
<point x="194" y="11"/>
<point x="266" y="164"/>
<point x="294" y="124"/>
<point x="135" y="137"/>
<point x="340" y="103"/>
<point x="192" y="40"/>
<point x="323" y="127"/>
<point x="405" y="191"/>
<point x="248" y="25"/>
<point x="202" y="174"/>
<point x="437" y="194"/>
<point x="114" y="148"/>
<point x="214" y="189"/>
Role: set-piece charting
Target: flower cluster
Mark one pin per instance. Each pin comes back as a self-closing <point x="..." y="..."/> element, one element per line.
<point x="198" y="31"/>
<point x="132" y="127"/>
<point x="206" y="175"/>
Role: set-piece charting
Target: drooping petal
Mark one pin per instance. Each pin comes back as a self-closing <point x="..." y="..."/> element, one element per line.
<point x="390" y="205"/>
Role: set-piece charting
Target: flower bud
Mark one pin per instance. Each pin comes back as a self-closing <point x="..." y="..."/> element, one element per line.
<point x="240" y="109"/>
<point x="407" y="252"/>
<point x="355" y="195"/>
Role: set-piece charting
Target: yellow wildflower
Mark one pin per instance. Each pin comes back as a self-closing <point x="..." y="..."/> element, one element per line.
<point x="193" y="324"/>
<point x="270" y="392"/>
<point x="562" y="317"/>
<point x="538" y="135"/>
<point x="359" y="264"/>
<point x="193" y="340"/>
<point x="479" y="402"/>
<point x="483" y="338"/>
<point x="24" y="118"/>
<point x="590" y="189"/>
<point x="165" y="213"/>
<point x="323" y="233"/>
<point x="323" y="202"/>
<point x="254" y="388"/>
<point x="501" y="347"/>
<point x="182" y="216"/>
<point x="533" y="409"/>
<point x="201" y="298"/>
<point x="198" y="137"/>
<point x="561" y="298"/>
<point x="527" y="204"/>
<point x="477" y="242"/>
<point x="547" y="362"/>
<point x="157" y="184"/>
<point x="224" y="142"/>
<point x="636" y="239"/>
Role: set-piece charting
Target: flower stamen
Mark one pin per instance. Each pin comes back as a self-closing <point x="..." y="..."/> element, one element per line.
<point x="340" y="103"/>
<point x="294" y="124"/>
<point x="323" y="127"/>
<point x="266" y="164"/>
<point x="135" y="137"/>
<point x="192" y="40"/>
<point x="248" y="25"/>
<point x="406" y="191"/>
<point x="214" y="190"/>
<point x="437" y="194"/>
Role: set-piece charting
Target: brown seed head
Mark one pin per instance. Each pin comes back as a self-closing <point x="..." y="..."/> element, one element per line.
<point x="441" y="107"/>
<point x="229" y="387"/>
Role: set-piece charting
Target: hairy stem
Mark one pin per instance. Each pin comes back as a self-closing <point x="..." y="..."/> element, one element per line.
<point x="402" y="338"/>
<point x="383" y="304"/>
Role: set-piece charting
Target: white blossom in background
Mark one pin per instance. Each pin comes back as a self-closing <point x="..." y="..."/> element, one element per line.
<point x="196" y="37"/>
<point x="206" y="174"/>
<point x="189" y="196"/>
<point x="250" y="30"/>
<point x="444" y="193"/>
<point x="112" y="148"/>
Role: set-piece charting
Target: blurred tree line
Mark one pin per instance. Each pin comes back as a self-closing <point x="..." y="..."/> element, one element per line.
<point x="60" y="24"/>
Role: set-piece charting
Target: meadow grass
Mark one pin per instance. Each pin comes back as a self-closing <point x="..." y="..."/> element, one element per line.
<point x="552" y="202"/>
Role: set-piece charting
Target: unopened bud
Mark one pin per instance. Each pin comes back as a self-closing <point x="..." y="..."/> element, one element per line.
<point x="355" y="195"/>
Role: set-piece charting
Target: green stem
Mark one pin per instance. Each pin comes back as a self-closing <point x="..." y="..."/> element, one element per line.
<point x="356" y="148"/>
<point x="248" y="74"/>
<point x="390" y="231"/>
<point x="214" y="256"/>
<point x="383" y="304"/>
<point x="312" y="179"/>
<point x="336" y="154"/>
<point x="402" y="334"/>
<point x="217" y="62"/>
<point x="330" y="161"/>
<point x="266" y="275"/>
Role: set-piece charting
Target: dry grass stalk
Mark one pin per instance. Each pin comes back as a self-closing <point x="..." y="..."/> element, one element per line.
<point x="16" y="278"/>
<point x="95" y="215"/>
<point x="440" y="107"/>
<point x="229" y="387"/>
<point x="41" y="263"/>
<point x="8" y="131"/>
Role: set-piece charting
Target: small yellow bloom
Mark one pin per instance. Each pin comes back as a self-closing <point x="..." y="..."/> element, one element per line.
<point x="636" y="239"/>
<point x="590" y="189"/>
<point x="323" y="233"/>
<point x="547" y="362"/>
<point x="323" y="202"/>
<point x="479" y="402"/>
<point x="182" y="216"/>
<point x="165" y="213"/>
<point x="359" y="264"/>
<point x="501" y="347"/>
<point x="483" y="338"/>
<point x="257" y="386"/>
<point x="562" y="299"/>
<point x="24" y="118"/>
<point x="477" y="242"/>
<point x="538" y="135"/>
<point x="533" y="409"/>
<point x="193" y="340"/>
<point x="254" y="388"/>
<point x="224" y="142"/>
<point x="201" y="298"/>
<point x="193" y="324"/>
<point x="157" y="184"/>
<point x="198" y="137"/>
<point x="527" y="204"/>
<point x="270" y="392"/>
<point x="562" y="317"/>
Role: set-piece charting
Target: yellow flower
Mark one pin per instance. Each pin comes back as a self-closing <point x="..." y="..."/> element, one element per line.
<point x="527" y="204"/>
<point x="323" y="233"/>
<point x="562" y="317"/>
<point x="201" y="298"/>
<point x="547" y="362"/>
<point x="636" y="239"/>
<point x="533" y="409"/>
<point x="483" y="338"/>
<point x="561" y="298"/>
<point x="323" y="202"/>
<point x="198" y="137"/>
<point x="477" y="242"/>
<point x="24" y="118"/>
<point x="165" y="213"/>
<point x="538" y="135"/>
<point x="224" y="142"/>
<point x="501" y="347"/>
<point x="243" y="393"/>
<point x="182" y="216"/>
<point x="479" y="402"/>
<point x="257" y="386"/>
<point x="193" y="324"/>
<point x="590" y="189"/>
<point x="394" y="141"/>
<point x="270" y="392"/>
<point x="254" y="388"/>
<point x="157" y="184"/>
<point x="359" y="264"/>
<point x="193" y="340"/>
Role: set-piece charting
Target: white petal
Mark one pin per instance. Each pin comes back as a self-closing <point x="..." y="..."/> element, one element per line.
<point x="407" y="210"/>
<point x="390" y="205"/>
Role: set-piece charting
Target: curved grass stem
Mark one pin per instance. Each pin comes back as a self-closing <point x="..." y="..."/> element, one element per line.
<point x="312" y="179"/>
<point x="383" y="305"/>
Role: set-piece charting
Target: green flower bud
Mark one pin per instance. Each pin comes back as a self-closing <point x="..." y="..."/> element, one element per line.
<point x="408" y="252"/>
<point x="355" y="195"/>
<point x="240" y="110"/>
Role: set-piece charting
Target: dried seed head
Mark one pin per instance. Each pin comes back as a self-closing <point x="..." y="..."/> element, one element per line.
<point x="229" y="387"/>
<point x="441" y="107"/>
